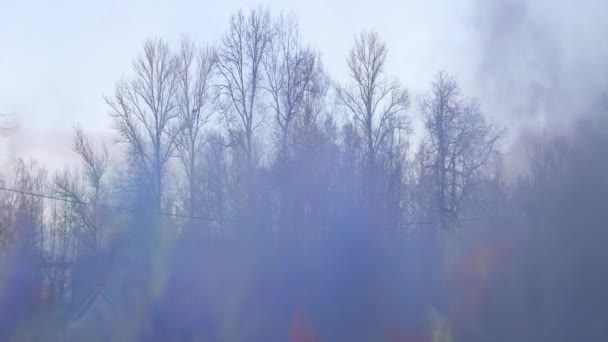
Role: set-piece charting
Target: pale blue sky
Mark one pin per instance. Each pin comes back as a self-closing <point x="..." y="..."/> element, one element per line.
<point x="58" y="58"/>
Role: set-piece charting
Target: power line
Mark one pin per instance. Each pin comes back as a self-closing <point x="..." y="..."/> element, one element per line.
<point x="132" y="210"/>
<point x="193" y="217"/>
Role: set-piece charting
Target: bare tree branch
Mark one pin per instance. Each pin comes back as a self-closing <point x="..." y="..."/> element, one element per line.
<point x="459" y="143"/>
<point x="239" y="63"/>
<point x="290" y="69"/>
<point x="377" y="104"/>
<point x="195" y="106"/>
<point x="145" y="114"/>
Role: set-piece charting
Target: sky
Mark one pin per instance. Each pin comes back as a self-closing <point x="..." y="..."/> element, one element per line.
<point x="60" y="58"/>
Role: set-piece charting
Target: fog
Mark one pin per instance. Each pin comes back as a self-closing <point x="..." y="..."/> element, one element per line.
<point x="253" y="185"/>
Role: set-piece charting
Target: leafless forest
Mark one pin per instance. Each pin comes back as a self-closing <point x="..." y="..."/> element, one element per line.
<point x="254" y="198"/>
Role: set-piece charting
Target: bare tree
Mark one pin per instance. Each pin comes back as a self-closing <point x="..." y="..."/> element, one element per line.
<point x="24" y="218"/>
<point x="195" y="107"/>
<point x="95" y="163"/>
<point x="377" y="104"/>
<point x="290" y="69"/>
<point x="239" y="64"/>
<point x="458" y="144"/>
<point x="145" y="115"/>
<point x="85" y="196"/>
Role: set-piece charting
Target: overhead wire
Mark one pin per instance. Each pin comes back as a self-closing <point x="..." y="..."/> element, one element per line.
<point x="182" y="216"/>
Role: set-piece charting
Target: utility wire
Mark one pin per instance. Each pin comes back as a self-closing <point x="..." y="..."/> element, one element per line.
<point x="202" y="218"/>
<point x="132" y="210"/>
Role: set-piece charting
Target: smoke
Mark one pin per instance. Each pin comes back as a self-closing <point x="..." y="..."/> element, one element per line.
<point x="542" y="70"/>
<point x="543" y="63"/>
